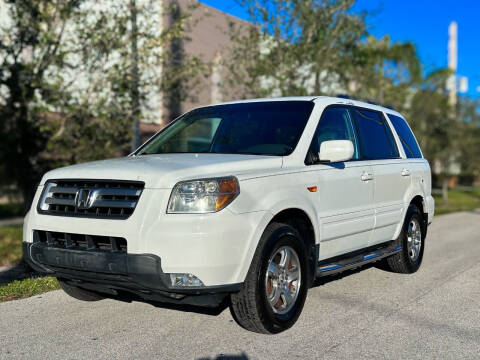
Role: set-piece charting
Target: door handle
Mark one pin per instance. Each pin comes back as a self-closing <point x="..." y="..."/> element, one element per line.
<point x="405" y="172"/>
<point x="366" y="176"/>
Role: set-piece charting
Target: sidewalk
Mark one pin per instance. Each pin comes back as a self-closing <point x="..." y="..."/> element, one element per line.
<point x="11" y="221"/>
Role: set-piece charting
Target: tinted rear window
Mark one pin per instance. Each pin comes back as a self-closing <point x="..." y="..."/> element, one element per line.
<point x="258" y="128"/>
<point x="409" y="143"/>
<point x="376" y="139"/>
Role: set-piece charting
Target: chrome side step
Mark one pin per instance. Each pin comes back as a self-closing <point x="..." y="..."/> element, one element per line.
<point x="357" y="258"/>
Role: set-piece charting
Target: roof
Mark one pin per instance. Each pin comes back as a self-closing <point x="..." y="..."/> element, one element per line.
<point x="328" y="99"/>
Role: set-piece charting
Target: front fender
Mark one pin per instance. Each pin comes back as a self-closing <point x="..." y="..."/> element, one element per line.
<point x="260" y="195"/>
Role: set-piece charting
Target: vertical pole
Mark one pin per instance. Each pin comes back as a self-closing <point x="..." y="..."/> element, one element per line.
<point x="452" y="62"/>
<point x="134" y="85"/>
<point x="452" y="101"/>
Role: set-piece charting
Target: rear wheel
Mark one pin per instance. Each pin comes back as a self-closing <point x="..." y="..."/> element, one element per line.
<point x="412" y="241"/>
<point x="274" y="291"/>
<point x="79" y="293"/>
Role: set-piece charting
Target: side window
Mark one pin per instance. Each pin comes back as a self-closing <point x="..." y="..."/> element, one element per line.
<point x="406" y="137"/>
<point x="376" y="139"/>
<point x="335" y="124"/>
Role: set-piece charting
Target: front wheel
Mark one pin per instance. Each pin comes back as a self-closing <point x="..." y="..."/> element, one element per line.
<point x="274" y="291"/>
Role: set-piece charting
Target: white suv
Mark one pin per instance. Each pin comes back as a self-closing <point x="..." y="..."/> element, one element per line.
<point x="242" y="203"/>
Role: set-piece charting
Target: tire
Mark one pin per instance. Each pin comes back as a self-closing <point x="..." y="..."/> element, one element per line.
<point x="408" y="261"/>
<point x="258" y="307"/>
<point x="78" y="293"/>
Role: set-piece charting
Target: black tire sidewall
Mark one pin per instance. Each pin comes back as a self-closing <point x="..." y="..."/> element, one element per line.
<point x="284" y="236"/>
<point x="412" y="212"/>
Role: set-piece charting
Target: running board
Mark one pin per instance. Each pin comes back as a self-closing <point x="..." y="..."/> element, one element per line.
<point x="357" y="258"/>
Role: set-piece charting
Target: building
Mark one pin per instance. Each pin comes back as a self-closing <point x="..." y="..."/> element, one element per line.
<point x="209" y="39"/>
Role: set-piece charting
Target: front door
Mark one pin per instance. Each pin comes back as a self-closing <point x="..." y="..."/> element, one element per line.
<point x="345" y="202"/>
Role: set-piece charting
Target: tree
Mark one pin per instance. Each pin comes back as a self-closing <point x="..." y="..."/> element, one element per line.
<point x="382" y="71"/>
<point x="30" y="45"/>
<point x="76" y="75"/>
<point x="469" y="145"/>
<point x="293" y="47"/>
<point x="436" y="130"/>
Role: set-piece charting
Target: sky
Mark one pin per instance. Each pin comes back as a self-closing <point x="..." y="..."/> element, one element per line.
<point x="423" y="22"/>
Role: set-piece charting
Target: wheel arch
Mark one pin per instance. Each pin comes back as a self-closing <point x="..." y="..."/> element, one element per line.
<point x="301" y="221"/>
<point x="281" y="213"/>
<point x="419" y="202"/>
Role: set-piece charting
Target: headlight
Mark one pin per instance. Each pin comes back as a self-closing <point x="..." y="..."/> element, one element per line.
<point x="203" y="196"/>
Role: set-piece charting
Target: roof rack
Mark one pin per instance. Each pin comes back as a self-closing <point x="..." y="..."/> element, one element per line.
<point x="368" y="101"/>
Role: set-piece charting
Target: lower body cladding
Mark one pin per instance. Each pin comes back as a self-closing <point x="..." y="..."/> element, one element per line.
<point x="119" y="275"/>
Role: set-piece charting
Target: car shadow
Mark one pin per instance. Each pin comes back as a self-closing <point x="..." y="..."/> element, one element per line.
<point x="213" y="311"/>
<point x="18" y="271"/>
<point x="241" y="356"/>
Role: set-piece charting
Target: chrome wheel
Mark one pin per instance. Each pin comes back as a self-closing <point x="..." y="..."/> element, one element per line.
<point x="283" y="279"/>
<point x="414" y="239"/>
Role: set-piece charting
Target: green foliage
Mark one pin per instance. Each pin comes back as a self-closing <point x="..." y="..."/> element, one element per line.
<point x="10" y="244"/>
<point x="383" y="71"/>
<point x="76" y="75"/>
<point x="318" y="47"/>
<point x="12" y="209"/>
<point x="469" y="146"/>
<point x="292" y="42"/>
<point x="430" y="116"/>
<point x="458" y="200"/>
<point x="28" y="287"/>
<point x="30" y="45"/>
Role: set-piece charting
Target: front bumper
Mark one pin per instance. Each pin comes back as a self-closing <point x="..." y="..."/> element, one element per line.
<point x="118" y="274"/>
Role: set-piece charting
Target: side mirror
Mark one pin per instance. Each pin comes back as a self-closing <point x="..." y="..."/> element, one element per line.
<point x="336" y="151"/>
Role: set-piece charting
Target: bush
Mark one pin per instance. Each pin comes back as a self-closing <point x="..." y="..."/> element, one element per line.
<point x="11" y="210"/>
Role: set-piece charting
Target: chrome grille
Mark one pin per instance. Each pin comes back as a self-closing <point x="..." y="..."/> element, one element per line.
<point x="90" y="198"/>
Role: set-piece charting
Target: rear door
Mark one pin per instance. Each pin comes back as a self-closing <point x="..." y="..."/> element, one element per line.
<point x="345" y="202"/>
<point x="391" y="172"/>
<point x="416" y="165"/>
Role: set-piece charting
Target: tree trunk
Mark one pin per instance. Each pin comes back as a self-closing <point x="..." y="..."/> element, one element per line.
<point x="317" y="83"/>
<point x="174" y="63"/>
<point x="445" y="191"/>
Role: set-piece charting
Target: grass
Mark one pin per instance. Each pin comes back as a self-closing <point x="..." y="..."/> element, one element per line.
<point x="10" y="244"/>
<point x="11" y="253"/>
<point x="458" y="200"/>
<point x="11" y="210"/>
<point x="28" y="287"/>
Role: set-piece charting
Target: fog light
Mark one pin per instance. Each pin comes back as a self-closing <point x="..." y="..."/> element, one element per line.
<point x="185" y="280"/>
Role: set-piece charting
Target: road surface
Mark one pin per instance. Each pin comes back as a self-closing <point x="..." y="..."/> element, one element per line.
<point x="433" y="314"/>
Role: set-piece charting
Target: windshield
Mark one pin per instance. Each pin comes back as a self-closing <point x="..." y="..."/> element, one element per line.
<point x="259" y="128"/>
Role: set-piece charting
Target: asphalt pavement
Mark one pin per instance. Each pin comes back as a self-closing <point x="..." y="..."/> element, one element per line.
<point x="371" y="314"/>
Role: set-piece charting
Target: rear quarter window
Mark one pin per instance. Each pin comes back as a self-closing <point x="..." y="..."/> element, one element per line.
<point x="409" y="143"/>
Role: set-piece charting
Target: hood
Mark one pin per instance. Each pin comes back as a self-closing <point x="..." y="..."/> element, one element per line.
<point x="165" y="170"/>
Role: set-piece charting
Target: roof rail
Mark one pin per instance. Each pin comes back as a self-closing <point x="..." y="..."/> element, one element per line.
<point x="368" y="101"/>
